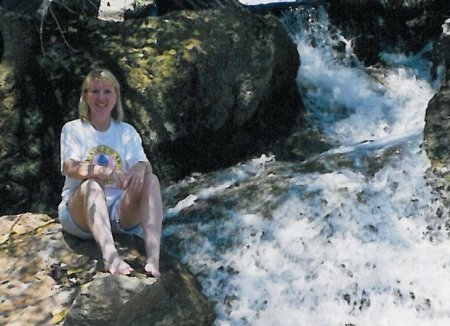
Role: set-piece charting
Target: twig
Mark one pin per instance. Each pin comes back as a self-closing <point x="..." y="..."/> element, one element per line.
<point x="45" y="5"/>
<point x="61" y="32"/>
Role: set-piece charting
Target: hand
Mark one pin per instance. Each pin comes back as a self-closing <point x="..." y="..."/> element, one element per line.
<point x="135" y="178"/>
<point x="120" y="178"/>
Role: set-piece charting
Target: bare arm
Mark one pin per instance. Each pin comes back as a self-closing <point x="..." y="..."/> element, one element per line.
<point x="84" y="170"/>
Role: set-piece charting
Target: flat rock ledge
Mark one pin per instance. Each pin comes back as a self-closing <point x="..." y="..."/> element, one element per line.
<point x="49" y="277"/>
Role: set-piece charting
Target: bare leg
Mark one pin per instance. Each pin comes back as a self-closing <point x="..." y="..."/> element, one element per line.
<point x="88" y="209"/>
<point x="151" y="221"/>
<point x="148" y="208"/>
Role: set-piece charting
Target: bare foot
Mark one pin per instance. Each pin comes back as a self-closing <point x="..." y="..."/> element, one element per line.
<point x="118" y="266"/>
<point x="151" y="268"/>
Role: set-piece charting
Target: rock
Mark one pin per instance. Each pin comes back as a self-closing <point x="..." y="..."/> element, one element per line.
<point x="165" y="304"/>
<point x="172" y="300"/>
<point x="20" y="116"/>
<point x="205" y="89"/>
<point x="372" y="25"/>
<point x="99" y="302"/>
<point x="437" y="128"/>
<point x="166" y="6"/>
<point x="437" y="118"/>
<point x="437" y="141"/>
<point x="50" y="277"/>
<point x="114" y="10"/>
<point x="37" y="7"/>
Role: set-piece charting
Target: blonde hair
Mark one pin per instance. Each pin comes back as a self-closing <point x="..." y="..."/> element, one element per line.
<point x="105" y="75"/>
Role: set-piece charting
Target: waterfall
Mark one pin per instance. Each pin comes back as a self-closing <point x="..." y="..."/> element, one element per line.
<point x="339" y="238"/>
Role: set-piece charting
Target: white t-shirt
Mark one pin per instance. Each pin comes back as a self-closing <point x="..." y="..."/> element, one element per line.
<point x="119" y="147"/>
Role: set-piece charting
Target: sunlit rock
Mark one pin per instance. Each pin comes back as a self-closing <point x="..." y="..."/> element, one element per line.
<point x="49" y="276"/>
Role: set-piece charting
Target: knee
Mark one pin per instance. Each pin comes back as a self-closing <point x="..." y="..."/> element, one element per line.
<point x="152" y="182"/>
<point x="92" y="186"/>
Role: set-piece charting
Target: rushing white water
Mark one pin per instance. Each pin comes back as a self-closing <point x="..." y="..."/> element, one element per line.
<point x="275" y="243"/>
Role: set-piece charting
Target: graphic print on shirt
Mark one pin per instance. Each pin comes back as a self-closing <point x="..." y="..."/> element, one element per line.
<point x="105" y="156"/>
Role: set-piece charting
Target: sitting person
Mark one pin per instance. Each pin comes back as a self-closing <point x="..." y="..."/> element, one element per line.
<point x="109" y="182"/>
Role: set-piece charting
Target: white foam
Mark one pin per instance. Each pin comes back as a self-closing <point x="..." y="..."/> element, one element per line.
<point x="342" y="247"/>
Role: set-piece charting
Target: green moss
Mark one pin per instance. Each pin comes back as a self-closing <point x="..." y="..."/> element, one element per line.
<point x="165" y="64"/>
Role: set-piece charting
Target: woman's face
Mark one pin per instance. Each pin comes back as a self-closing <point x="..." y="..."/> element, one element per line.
<point x="101" y="98"/>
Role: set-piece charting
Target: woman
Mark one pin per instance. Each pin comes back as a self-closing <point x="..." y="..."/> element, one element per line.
<point x="109" y="182"/>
